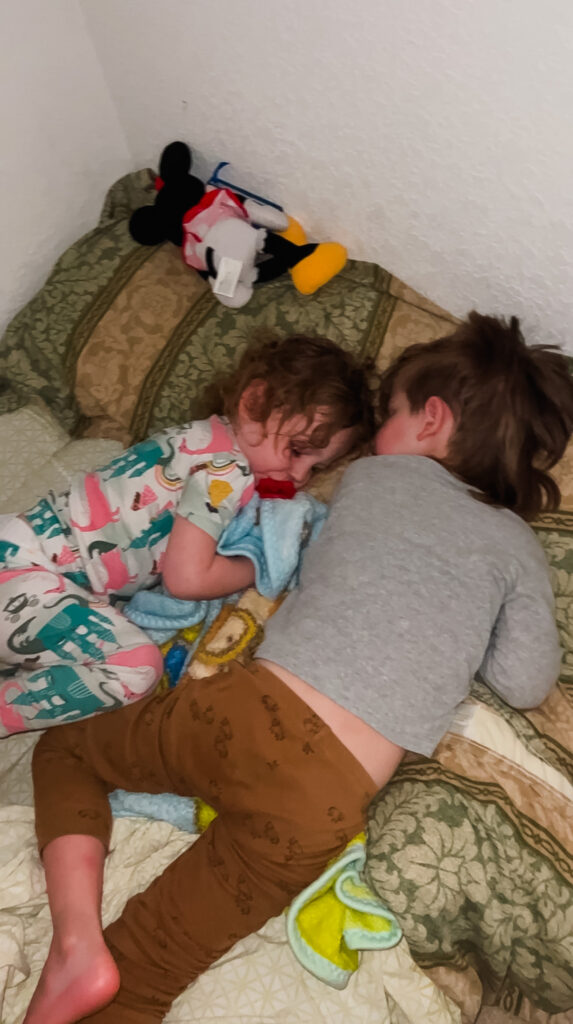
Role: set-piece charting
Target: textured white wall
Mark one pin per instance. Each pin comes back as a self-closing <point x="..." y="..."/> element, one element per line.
<point x="62" y="143"/>
<point x="434" y="136"/>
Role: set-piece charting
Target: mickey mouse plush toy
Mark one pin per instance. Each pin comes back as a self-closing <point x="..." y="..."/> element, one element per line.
<point x="233" y="243"/>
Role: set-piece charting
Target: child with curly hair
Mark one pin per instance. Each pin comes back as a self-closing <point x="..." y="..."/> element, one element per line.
<point x="158" y="511"/>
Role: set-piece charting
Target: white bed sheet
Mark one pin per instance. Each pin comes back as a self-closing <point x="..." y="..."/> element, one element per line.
<point x="259" y="981"/>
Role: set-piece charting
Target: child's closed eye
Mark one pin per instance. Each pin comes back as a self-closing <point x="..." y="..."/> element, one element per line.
<point x="296" y="449"/>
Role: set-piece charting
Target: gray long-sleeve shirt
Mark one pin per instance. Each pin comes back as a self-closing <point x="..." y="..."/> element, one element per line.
<point x="412" y="587"/>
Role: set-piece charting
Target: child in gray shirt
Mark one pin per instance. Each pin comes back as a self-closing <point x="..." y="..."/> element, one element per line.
<point x="426" y="571"/>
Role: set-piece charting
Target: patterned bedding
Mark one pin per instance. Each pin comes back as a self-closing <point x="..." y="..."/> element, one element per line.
<point x="122" y="339"/>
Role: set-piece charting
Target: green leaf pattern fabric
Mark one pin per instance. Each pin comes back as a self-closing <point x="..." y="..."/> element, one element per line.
<point x="458" y="844"/>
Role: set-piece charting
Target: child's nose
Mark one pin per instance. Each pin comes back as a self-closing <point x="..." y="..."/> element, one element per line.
<point x="300" y="472"/>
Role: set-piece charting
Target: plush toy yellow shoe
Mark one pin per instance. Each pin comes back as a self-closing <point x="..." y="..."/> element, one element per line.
<point x="315" y="270"/>
<point x="294" y="233"/>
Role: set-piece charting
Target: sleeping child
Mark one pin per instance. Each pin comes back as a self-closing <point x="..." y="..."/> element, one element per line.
<point x="157" y="512"/>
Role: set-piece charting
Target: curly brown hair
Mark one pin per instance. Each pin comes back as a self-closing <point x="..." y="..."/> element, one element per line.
<point x="301" y="374"/>
<point x="512" y="406"/>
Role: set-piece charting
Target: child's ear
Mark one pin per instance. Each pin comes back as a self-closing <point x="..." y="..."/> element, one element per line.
<point x="251" y="400"/>
<point x="438" y="420"/>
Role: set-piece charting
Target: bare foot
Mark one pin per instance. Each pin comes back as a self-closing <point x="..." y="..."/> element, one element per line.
<point x="73" y="983"/>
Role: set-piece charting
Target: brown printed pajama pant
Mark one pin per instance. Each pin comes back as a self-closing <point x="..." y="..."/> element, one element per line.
<point x="288" y="793"/>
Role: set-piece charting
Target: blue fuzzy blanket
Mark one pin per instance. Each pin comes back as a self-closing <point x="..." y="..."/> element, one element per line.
<point x="272" y="532"/>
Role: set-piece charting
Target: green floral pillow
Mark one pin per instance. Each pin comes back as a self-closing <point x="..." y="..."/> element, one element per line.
<point x="472" y="849"/>
<point x="123" y="338"/>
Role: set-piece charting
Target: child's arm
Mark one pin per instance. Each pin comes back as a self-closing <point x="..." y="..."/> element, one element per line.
<point x="193" y="570"/>
<point x="523" y="656"/>
<point x="213" y="493"/>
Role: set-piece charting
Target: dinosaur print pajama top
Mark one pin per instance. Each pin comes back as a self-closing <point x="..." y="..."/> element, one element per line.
<point x="66" y="650"/>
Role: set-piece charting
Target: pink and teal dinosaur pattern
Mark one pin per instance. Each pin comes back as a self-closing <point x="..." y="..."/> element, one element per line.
<point x="66" y="649"/>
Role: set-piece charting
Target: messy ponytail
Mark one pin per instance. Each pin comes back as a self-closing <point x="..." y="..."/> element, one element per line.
<point x="512" y="405"/>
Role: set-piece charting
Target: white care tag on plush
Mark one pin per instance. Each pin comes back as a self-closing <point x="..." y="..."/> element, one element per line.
<point x="227" y="277"/>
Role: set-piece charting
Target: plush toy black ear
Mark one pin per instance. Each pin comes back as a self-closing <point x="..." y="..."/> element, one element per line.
<point x="175" y="161"/>
<point x="181" y="190"/>
<point x="147" y="226"/>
